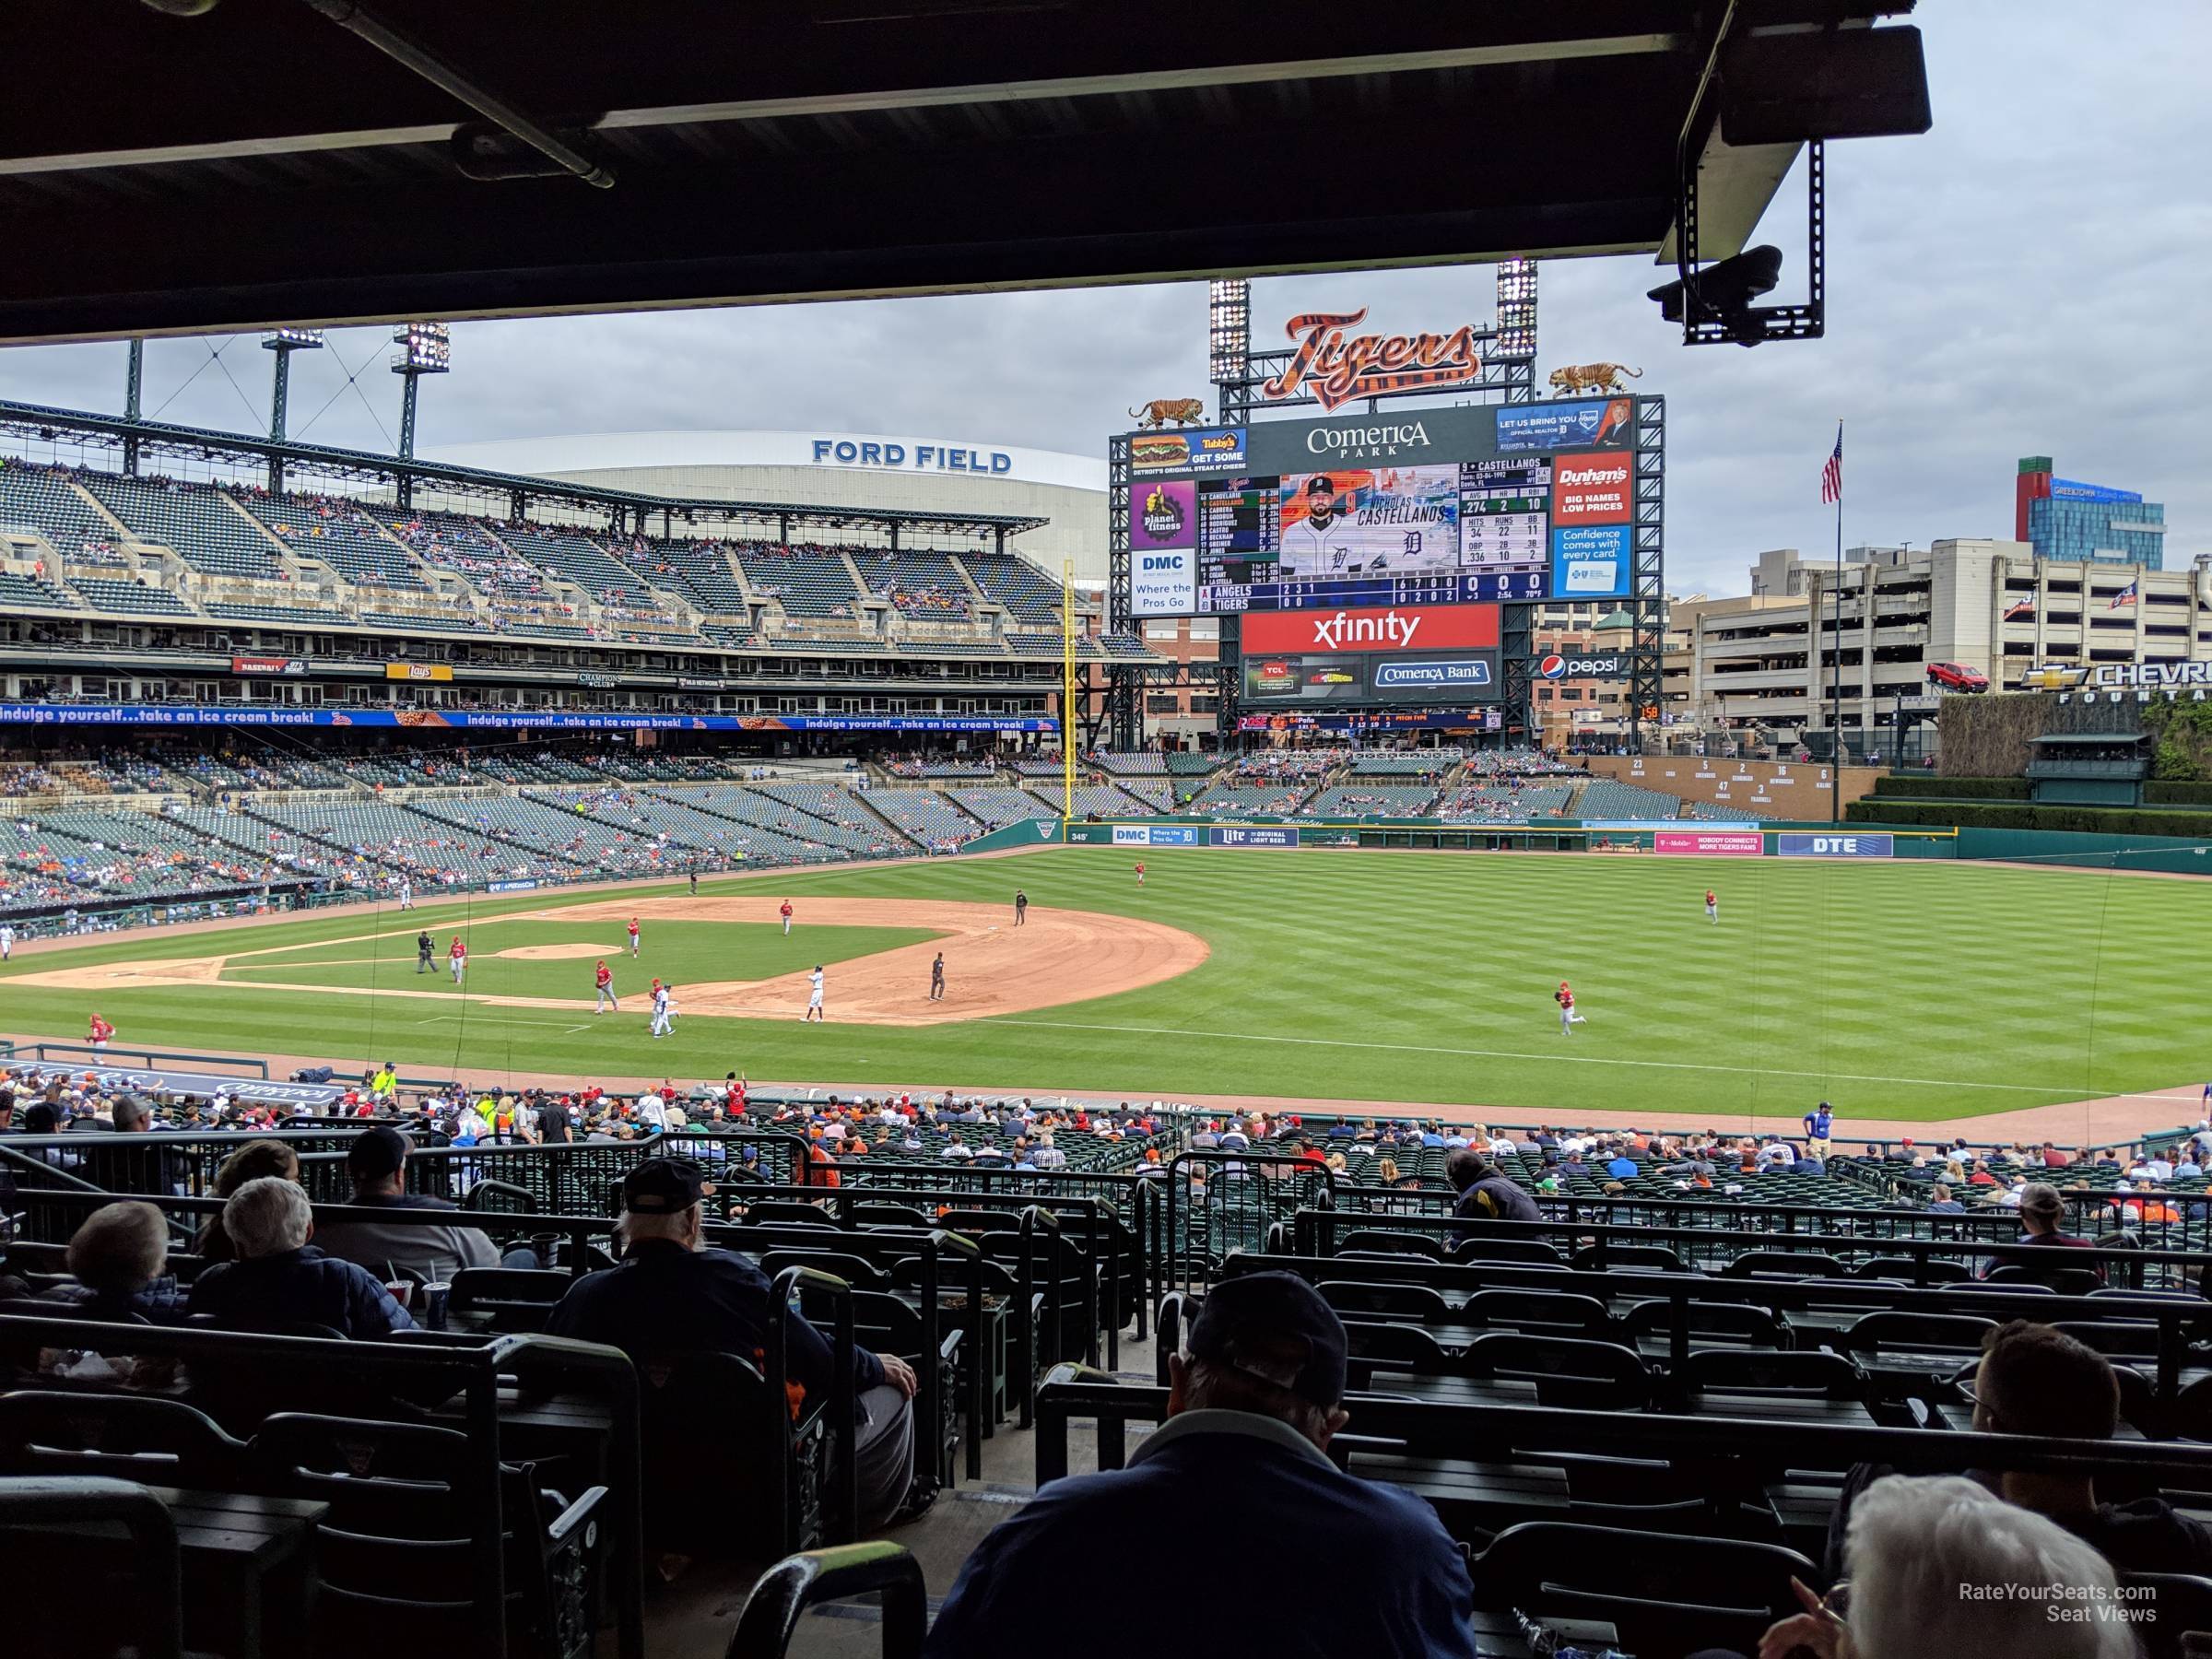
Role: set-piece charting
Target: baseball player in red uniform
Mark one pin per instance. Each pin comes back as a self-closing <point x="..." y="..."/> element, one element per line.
<point x="1568" y="1018"/>
<point x="456" y="959"/>
<point x="785" y="913"/>
<point x="603" y="985"/>
<point x="633" y="939"/>
<point x="1713" y="907"/>
<point x="100" y="1031"/>
<point x="1141" y="873"/>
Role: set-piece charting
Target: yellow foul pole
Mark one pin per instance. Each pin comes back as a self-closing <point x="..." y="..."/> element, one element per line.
<point x="1067" y="694"/>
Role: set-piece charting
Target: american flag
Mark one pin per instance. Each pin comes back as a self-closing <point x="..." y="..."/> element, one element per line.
<point x="1831" y="476"/>
<point x="2126" y="595"/>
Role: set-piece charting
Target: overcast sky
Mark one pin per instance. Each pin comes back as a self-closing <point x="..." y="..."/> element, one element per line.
<point x="2034" y="277"/>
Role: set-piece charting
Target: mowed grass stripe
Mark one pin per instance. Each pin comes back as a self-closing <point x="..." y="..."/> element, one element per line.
<point x="1902" y="989"/>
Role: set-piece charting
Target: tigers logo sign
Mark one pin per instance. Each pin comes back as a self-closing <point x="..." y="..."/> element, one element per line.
<point x="1333" y="369"/>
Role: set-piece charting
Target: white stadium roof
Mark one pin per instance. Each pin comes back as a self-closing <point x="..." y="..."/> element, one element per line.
<point x="895" y="455"/>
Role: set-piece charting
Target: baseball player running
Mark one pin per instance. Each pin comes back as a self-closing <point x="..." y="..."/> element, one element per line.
<point x="1568" y="1018"/>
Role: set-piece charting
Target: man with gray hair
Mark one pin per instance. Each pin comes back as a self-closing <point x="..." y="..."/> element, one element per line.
<point x="281" y="1279"/>
<point x="1243" y="1455"/>
<point x="1945" y="1566"/>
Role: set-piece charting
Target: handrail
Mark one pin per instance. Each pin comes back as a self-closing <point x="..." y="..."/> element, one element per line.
<point x="843" y="1404"/>
<point x="1491" y="1431"/>
<point x="796" y="1582"/>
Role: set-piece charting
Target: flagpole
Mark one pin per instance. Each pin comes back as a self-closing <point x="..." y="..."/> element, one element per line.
<point x="1835" y="678"/>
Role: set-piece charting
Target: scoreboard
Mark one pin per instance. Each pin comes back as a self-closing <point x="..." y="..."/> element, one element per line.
<point x="1456" y="506"/>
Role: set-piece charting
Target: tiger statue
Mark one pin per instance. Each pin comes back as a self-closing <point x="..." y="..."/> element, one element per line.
<point x="1590" y="377"/>
<point x="1182" y="411"/>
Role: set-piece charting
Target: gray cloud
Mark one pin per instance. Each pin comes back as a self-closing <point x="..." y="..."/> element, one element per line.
<point x="2026" y="279"/>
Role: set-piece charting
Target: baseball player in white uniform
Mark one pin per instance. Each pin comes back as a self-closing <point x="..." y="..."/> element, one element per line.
<point x="7" y="941"/>
<point x="814" y="996"/>
<point x="663" y="1013"/>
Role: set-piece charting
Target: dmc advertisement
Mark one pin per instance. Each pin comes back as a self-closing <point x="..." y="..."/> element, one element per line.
<point x="1702" y="843"/>
<point x="1206" y="449"/>
<point x="1563" y="426"/>
<point x="1156" y="835"/>
<point x="1163" y="513"/>
<point x="1389" y="628"/>
<point x="1591" y="561"/>
<point x="1251" y="835"/>
<point x="1163" y="582"/>
<point x="1791" y="845"/>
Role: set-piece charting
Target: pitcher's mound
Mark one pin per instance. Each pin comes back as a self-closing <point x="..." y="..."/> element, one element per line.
<point x="556" y="953"/>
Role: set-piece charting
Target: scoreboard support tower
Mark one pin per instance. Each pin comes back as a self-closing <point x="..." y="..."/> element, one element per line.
<point x="1647" y="649"/>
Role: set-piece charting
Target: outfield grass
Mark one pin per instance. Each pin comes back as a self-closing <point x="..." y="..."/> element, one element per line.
<point x="1898" y="990"/>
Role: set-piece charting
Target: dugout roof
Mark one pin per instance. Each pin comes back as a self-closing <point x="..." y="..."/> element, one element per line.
<point x="264" y="163"/>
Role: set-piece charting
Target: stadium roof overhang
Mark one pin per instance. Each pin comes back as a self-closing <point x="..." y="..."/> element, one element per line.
<point x="316" y="461"/>
<point x="268" y="161"/>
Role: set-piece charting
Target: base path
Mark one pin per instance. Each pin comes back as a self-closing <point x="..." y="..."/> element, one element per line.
<point x="991" y="966"/>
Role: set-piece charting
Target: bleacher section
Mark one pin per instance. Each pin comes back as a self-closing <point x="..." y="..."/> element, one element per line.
<point x="1503" y="802"/>
<point x="1243" y="801"/>
<point x="923" y="585"/>
<point x="928" y="816"/>
<point x="196" y="521"/>
<point x="1603" y="799"/>
<point x="806" y="581"/>
<point x="32" y="592"/>
<point x="1371" y="800"/>
<point x="44" y="499"/>
<point x="999" y="807"/>
<point x="339" y="532"/>
<point x="128" y="598"/>
<point x="1030" y="599"/>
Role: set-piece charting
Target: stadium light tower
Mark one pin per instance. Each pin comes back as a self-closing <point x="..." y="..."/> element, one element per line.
<point x="1516" y="308"/>
<point x="424" y="348"/>
<point x="1229" y="346"/>
<point x="284" y="342"/>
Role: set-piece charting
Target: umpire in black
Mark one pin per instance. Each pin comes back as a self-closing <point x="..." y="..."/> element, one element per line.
<point x="422" y="953"/>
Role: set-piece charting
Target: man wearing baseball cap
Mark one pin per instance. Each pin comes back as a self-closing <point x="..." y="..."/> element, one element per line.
<point x="1255" y="1400"/>
<point x="671" y="1294"/>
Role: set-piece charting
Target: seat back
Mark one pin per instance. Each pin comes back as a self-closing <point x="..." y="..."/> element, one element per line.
<point x="854" y="1270"/>
<point x="1739" y="1323"/>
<point x="2115" y="1339"/>
<point x="1557" y="1312"/>
<point x="1651" y="1258"/>
<point x="1666" y="1593"/>
<point x="1372" y="1345"/>
<point x="139" y="1609"/>
<point x="1802" y="1372"/>
<point x="2064" y="1280"/>
<point x="1568" y="1371"/>
<point x="790" y="1212"/>
<point x="126" y="1437"/>
<point x="727" y="1471"/>
<point x="1895" y="1331"/>
<point x="1507" y="1250"/>
<point x="1402" y="1301"/>
<point x="1930" y="1270"/>
<point x="1390" y="1241"/>
<point x="1785" y="1264"/>
<point x="876" y="1212"/>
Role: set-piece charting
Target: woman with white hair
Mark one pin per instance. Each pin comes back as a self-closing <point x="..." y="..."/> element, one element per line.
<point x="280" y="1279"/>
<point x="1943" y="1566"/>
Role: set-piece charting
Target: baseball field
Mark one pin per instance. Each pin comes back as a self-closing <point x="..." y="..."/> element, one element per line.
<point x="1908" y="991"/>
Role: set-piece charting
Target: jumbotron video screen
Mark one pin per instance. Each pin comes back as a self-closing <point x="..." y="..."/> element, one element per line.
<point x="1453" y="506"/>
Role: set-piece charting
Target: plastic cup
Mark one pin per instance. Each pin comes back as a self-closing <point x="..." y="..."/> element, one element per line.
<point x="402" y="1289"/>
<point x="434" y="1298"/>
